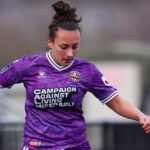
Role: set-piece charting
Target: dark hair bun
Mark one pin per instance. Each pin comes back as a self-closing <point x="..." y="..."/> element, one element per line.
<point x="64" y="12"/>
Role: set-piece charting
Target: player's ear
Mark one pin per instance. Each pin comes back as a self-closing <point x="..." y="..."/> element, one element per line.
<point x="50" y="43"/>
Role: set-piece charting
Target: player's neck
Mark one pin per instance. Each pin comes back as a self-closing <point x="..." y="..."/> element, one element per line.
<point x="59" y="66"/>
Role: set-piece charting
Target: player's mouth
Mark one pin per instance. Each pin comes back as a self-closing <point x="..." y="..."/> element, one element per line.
<point x="68" y="60"/>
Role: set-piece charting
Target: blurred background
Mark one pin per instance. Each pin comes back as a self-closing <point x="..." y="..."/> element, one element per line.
<point x="115" y="36"/>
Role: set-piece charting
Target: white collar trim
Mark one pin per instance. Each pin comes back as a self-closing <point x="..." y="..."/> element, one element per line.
<point x="54" y="64"/>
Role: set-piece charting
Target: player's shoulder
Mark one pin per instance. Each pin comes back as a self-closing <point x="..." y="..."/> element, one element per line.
<point x="84" y="63"/>
<point x="34" y="57"/>
<point x="87" y="66"/>
<point x="26" y="62"/>
<point x="30" y="59"/>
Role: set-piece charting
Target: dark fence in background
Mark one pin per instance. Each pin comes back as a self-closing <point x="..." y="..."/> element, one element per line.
<point x="125" y="137"/>
<point x="104" y="136"/>
<point x="11" y="135"/>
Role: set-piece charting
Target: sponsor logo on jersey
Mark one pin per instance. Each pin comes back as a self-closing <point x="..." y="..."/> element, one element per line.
<point x="42" y="74"/>
<point x="5" y="69"/>
<point x="35" y="143"/>
<point x="75" y="76"/>
<point x="55" y="97"/>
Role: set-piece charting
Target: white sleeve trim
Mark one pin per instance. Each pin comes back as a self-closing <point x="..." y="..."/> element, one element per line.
<point x="110" y="97"/>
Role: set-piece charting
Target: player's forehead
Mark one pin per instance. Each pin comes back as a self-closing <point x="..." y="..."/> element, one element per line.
<point x="67" y="36"/>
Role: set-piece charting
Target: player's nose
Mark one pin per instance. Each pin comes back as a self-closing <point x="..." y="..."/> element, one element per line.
<point x="70" y="53"/>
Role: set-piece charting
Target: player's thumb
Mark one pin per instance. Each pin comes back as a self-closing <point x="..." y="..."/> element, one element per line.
<point x="142" y="120"/>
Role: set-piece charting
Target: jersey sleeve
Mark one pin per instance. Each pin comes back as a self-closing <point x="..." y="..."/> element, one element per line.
<point x="12" y="73"/>
<point x="101" y="88"/>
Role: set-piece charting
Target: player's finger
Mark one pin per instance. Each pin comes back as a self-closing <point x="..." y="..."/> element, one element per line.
<point x="143" y="122"/>
<point x="147" y="128"/>
<point x="145" y="125"/>
<point x="147" y="131"/>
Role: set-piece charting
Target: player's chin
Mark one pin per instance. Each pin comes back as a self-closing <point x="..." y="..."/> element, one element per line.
<point x="67" y="62"/>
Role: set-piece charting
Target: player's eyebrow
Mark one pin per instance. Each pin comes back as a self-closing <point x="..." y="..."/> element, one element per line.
<point x="64" y="44"/>
<point x="67" y="45"/>
<point x="76" y="43"/>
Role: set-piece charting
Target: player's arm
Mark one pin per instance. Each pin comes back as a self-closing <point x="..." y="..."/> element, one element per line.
<point x="5" y="77"/>
<point x="12" y="73"/>
<point x="128" y="110"/>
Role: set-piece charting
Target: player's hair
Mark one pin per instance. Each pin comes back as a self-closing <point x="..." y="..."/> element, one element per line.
<point x="64" y="18"/>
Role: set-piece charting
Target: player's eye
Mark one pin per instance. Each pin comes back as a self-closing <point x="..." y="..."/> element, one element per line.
<point x="75" y="46"/>
<point x="64" y="46"/>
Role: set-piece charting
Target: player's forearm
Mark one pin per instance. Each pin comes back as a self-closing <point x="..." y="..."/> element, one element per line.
<point x="125" y="108"/>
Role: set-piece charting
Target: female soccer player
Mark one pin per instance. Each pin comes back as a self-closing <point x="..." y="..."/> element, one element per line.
<point x="56" y="82"/>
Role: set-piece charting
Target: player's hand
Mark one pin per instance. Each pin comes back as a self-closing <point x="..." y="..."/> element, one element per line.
<point x="145" y="122"/>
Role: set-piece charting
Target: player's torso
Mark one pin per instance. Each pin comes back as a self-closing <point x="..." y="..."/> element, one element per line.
<point x="48" y="87"/>
<point x="54" y="102"/>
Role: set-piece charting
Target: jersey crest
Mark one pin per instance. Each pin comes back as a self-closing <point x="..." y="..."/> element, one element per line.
<point x="75" y="76"/>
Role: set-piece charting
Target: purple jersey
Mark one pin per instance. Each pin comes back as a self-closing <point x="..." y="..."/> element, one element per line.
<point x="54" y="94"/>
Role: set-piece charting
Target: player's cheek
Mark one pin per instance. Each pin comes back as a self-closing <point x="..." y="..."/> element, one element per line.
<point x="75" y="53"/>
